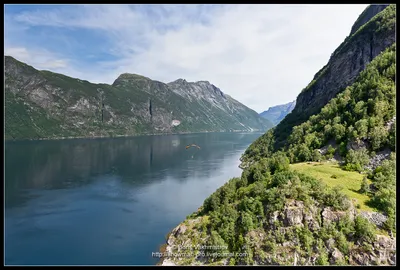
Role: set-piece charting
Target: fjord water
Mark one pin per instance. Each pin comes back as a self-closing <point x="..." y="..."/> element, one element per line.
<point x="109" y="201"/>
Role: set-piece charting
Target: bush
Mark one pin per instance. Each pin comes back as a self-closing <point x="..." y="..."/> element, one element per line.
<point x="364" y="230"/>
<point x="322" y="259"/>
<point x="316" y="155"/>
<point x="356" y="159"/>
<point x="330" y="152"/>
<point x="336" y="199"/>
<point x="342" y="243"/>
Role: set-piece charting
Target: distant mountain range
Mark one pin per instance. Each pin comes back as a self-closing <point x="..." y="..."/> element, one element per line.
<point x="276" y="113"/>
<point x="43" y="104"/>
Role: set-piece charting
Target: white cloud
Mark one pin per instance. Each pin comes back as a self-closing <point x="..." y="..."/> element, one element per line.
<point x="261" y="55"/>
<point x="41" y="59"/>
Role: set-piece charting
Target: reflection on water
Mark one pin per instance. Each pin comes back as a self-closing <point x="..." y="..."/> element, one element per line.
<point x="109" y="201"/>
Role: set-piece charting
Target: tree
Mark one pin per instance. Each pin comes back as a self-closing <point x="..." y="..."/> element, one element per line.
<point x="303" y="152"/>
<point x="392" y="137"/>
<point x="356" y="159"/>
<point x="360" y="109"/>
<point x="330" y="152"/>
<point x="327" y="130"/>
<point x="379" y="136"/>
<point x="362" y="128"/>
<point x="364" y="186"/>
<point x="279" y="162"/>
<point x="316" y="155"/>
<point x="338" y="131"/>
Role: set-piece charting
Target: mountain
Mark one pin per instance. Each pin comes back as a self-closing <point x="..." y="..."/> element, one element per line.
<point x="275" y="114"/>
<point x="327" y="194"/>
<point x="344" y="65"/>
<point x="43" y="104"/>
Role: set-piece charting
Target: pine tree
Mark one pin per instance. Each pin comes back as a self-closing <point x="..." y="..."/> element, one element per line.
<point x="364" y="186"/>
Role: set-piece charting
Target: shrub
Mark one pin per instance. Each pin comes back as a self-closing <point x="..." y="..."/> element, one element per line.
<point x="330" y="152"/>
<point x="356" y="159"/>
<point x="364" y="186"/>
<point x="364" y="230"/>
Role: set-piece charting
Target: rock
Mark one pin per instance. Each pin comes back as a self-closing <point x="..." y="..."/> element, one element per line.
<point x="323" y="150"/>
<point x="392" y="259"/>
<point x="274" y="217"/>
<point x="377" y="160"/>
<point x="309" y="217"/>
<point x="288" y="244"/>
<point x="170" y="241"/>
<point x="168" y="262"/>
<point x="374" y="217"/>
<point x="180" y="230"/>
<point x="360" y="259"/>
<point x="336" y="256"/>
<point x="330" y="244"/>
<point x="293" y="213"/>
<point x="357" y="144"/>
<point x="385" y="242"/>
<point x="389" y="124"/>
<point x="329" y="216"/>
<point x="293" y="216"/>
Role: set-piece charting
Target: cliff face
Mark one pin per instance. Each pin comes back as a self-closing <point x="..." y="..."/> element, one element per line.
<point x="276" y="113"/>
<point x="367" y="15"/>
<point x="349" y="59"/>
<point x="189" y="241"/>
<point x="42" y="104"/>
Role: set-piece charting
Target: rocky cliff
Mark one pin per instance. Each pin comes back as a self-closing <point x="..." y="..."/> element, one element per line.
<point x="275" y="114"/>
<point x="313" y="213"/>
<point x="367" y="15"/>
<point x="277" y="241"/>
<point x="43" y="104"/>
<point x="363" y="44"/>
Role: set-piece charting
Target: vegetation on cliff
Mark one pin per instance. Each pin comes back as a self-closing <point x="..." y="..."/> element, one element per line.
<point x="344" y="65"/>
<point x="295" y="204"/>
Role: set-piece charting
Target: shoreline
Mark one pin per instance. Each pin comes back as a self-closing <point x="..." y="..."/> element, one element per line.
<point x="126" y="136"/>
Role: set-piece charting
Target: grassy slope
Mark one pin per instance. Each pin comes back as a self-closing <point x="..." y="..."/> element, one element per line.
<point x="350" y="181"/>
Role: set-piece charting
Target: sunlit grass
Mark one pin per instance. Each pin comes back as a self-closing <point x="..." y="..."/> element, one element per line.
<point x="350" y="181"/>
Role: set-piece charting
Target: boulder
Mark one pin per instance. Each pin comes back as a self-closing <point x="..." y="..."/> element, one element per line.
<point x="374" y="217"/>
<point x="180" y="230"/>
<point x="293" y="213"/>
<point x="336" y="256"/>
<point x="357" y="144"/>
<point x="329" y="216"/>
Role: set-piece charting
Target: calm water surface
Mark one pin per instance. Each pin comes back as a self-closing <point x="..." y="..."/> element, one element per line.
<point x="109" y="201"/>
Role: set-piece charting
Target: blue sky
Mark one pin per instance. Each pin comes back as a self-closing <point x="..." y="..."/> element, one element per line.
<point x="261" y="55"/>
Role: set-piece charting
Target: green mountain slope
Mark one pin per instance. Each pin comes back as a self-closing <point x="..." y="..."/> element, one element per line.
<point x="310" y="213"/>
<point x="362" y="116"/>
<point x="348" y="60"/>
<point x="43" y="104"/>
